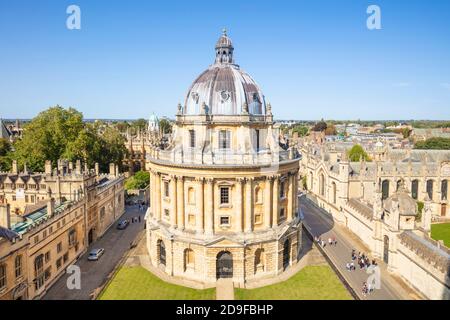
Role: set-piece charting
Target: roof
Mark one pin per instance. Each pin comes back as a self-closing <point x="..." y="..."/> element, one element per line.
<point x="406" y="205"/>
<point x="4" y="131"/>
<point x="8" y="234"/>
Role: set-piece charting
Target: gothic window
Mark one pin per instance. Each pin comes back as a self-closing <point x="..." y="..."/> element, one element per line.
<point x="385" y="189"/>
<point x="192" y="138"/>
<point x="444" y="190"/>
<point x="333" y="186"/>
<point x="224" y="139"/>
<point x="430" y="189"/>
<point x="189" y="259"/>
<point x="39" y="271"/>
<point x="224" y="195"/>
<point x="415" y="189"/>
<point x="322" y="185"/>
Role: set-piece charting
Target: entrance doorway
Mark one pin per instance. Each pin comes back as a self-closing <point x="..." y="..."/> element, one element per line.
<point x="224" y="265"/>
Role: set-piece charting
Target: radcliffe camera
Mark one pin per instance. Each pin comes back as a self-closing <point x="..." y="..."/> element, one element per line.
<point x="224" y="156"/>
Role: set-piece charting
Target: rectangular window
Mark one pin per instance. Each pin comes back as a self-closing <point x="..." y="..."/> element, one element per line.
<point x="39" y="271"/>
<point x="444" y="190"/>
<point x="282" y="189"/>
<point x="258" y="218"/>
<point x="59" y="247"/>
<point x="26" y="198"/>
<point x="225" y="221"/>
<point x="66" y="257"/>
<point x="166" y="189"/>
<point x="59" y="263"/>
<point x="224" y="139"/>
<point x="224" y="195"/>
<point x="18" y="266"/>
<point x="192" y="138"/>
<point x="47" y="256"/>
<point x="257" y="139"/>
<point x="48" y="273"/>
<point x="166" y="212"/>
<point x="72" y="237"/>
<point x="2" y="276"/>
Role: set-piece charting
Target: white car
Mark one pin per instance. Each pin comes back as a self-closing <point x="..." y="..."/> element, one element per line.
<point x="95" y="254"/>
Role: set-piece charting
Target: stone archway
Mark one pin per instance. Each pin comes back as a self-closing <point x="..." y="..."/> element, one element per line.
<point x="286" y="254"/>
<point x="224" y="265"/>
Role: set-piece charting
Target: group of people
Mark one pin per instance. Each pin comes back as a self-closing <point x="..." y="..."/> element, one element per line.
<point x="141" y="206"/>
<point x="321" y="242"/>
<point x="363" y="261"/>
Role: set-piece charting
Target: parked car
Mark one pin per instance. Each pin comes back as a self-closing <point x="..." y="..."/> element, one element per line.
<point x="95" y="254"/>
<point x="123" y="224"/>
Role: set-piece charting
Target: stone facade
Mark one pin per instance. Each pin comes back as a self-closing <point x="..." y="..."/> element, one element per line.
<point x="223" y="200"/>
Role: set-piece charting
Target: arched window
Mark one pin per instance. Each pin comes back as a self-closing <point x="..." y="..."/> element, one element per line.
<point x="385" y="189"/>
<point x="415" y="189"/>
<point x="39" y="271"/>
<point x="189" y="260"/>
<point x="430" y="189"/>
<point x="286" y="254"/>
<point x="161" y="252"/>
<point x="399" y="184"/>
<point x="444" y="190"/>
<point x="258" y="195"/>
<point x="191" y="195"/>
<point x="322" y="185"/>
<point x="18" y="266"/>
<point x="259" y="260"/>
<point x="333" y="187"/>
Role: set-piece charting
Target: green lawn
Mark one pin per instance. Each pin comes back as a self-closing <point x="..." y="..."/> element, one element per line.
<point x="311" y="283"/>
<point x="137" y="283"/>
<point x="441" y="231"/>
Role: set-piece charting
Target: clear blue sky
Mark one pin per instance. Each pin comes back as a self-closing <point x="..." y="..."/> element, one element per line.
<point x="312" y="59"/>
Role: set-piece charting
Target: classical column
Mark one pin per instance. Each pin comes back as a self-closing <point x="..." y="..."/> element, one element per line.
<point x="209" y="206"/>
<point x="268" y="202"/>
<point x="239" y="225"/>
<point x="173" y="201"/>
<point x="276" y="199"/>
<point x="152" y="193"/>
<point x="158" y="195"/>
<point x="290" y="196"/>
<point x="249" y="205"/>
<point x="199" y="204"/>
<point x="180" y="202"/>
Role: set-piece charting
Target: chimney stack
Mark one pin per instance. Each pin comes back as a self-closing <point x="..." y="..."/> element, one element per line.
<point x="14" y="167"/>
<point x="48" y="167"/>
<point x="97" y="169"/>
<point x="51" y="207"/>
<point x="78" y="167"/>
<point x="5" y="216"/>
<point x="112" y="169"/>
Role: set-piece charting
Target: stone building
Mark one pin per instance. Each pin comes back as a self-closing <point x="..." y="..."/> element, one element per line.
<point x="223" y="192"/>
<point x="378" y="202"/>
<point x="75" y="207"/>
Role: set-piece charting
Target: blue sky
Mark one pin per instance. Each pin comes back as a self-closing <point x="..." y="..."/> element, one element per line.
<point x="312" y="59"/>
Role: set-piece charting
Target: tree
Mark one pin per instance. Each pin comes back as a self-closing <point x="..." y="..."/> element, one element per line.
<point x="59" y="133"/>
<point x="330" y="130"/>
<point x="139" y="181"/>
<point x="357" y="152"/>
<point x="5" y="155"/>
<point x="165" y="126"/>
<point x="320" y="126"/>
<point x="301" y="130"/>
<point x="434" y="144"/>
<point x="139" y="124"/>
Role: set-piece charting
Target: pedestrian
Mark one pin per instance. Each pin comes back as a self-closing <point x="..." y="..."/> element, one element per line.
<point x="352" y="266"/>
<point x="330" y="242"/>
<point x="347" y="266"/>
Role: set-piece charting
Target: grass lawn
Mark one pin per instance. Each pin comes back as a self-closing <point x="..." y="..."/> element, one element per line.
<point x="311" y="283"/>
<point x="137" y="283"/>
<point x="441" y="231"/>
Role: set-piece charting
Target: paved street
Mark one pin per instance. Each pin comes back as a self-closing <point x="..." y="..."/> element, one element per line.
<point x="321" y="225"/>
<point x="94" y="273"/>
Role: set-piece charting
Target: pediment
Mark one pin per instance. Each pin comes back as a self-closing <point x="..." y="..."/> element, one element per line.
<point x="225" y="242"/>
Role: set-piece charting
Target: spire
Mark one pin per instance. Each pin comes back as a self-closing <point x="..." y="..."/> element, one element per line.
<point x="224" y="49"/>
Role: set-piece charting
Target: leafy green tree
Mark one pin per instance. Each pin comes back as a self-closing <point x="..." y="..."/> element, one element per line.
<point x="434" y="144"/>
<point x="357" y="152"/>
<point x="139" y="124"/>
<point x="320" y="126"/>
<point x="5" y="155"/>
<point x="139" y="181"/>
<point x="165" y="126"/>
<point x="301" y="130"/>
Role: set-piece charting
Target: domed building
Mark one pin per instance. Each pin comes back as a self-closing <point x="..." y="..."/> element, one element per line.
<point x="223" y="200"/>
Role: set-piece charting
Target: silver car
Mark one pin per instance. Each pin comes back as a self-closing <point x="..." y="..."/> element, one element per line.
<point x="95" y="254"/>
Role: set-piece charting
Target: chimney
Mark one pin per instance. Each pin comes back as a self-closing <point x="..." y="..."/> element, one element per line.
<point x="5" y="216"/>
<point x="78" y="167"/>
<point x="117" y="171"/>
<point x="48" y="167"/>
<point x="70" y="167"/>
<point x="14" y="167"/>
<point x="97" y="169"/>
<point x="51" y="207"/>
<point x="112" y="169"/>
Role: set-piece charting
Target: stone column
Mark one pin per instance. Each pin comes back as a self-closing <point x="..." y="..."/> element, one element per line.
<point x="173" y="201"/>
<point x="199" y="203"/>
<point x="268" y="202"/>
<point x="290" y="197"/>
<point x="276" y="199"/>
<point x="209" y="206"/>
<point x="249" y="205"/>
<point x="180" y="202"/>
<point x="239" y="225"/>
<point x="152" y="193"/>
